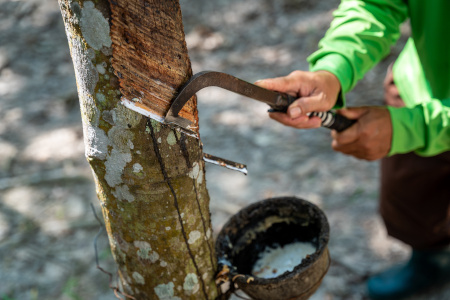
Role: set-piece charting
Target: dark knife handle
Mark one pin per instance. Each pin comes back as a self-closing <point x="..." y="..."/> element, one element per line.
<point x="333" y="120"/>
<point x="330" y="119"/>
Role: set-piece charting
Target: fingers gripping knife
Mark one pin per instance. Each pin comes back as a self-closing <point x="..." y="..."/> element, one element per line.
<point x="278" y="102"/>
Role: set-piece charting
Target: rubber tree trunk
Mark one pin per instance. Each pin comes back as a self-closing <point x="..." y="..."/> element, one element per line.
<point x="130" y="58"/>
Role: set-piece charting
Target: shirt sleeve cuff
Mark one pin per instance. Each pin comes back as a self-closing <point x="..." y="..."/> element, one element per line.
<point x="338" y="65"/>
<point x="407" y="129"/>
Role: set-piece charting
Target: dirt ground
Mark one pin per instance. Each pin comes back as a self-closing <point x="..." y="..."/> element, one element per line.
<point x="47" y="227"/>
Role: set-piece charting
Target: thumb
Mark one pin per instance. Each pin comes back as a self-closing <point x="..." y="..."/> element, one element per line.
<point x="353" y="113"/>
<point x="310" y="103"/>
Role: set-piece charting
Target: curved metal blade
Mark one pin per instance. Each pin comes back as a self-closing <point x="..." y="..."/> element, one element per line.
<point x="222" y="80"/>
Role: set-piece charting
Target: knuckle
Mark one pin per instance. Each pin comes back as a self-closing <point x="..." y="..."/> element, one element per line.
<point x="341" y="138"/>
<point x="296" y="73"/>
<point x="334" y="146"/>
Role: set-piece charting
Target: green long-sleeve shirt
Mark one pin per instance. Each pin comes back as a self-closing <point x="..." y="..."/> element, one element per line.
<point x="362" y="33"/>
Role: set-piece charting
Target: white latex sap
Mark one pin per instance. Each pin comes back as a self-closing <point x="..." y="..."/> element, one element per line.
<point x="273" y="262"/>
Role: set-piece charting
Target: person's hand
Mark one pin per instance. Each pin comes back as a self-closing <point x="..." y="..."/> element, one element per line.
<point x="317" y="91"/>
<point x="391" y="93"/>
<point x="369" y="138"/>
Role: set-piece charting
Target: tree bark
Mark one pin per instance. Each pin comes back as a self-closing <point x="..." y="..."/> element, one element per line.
<point x="130" y="58"/>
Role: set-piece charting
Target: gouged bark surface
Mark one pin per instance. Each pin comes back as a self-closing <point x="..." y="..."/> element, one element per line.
<point x="150" y="54"/>
<point x="149" y="178"/>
